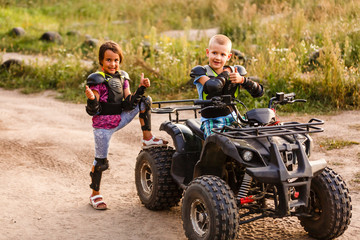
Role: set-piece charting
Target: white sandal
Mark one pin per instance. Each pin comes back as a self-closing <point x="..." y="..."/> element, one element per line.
<point x="95" y="204"/>
<point x="152" y="143"/>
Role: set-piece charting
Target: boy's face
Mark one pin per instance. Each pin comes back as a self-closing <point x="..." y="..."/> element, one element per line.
<point x="218" y="55"/>
<point x="111" y="61"/>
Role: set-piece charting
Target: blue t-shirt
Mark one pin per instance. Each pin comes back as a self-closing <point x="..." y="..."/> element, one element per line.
<point x="199" y="86"/>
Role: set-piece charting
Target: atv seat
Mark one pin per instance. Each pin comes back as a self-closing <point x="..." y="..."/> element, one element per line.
<point x="194" y="125"/>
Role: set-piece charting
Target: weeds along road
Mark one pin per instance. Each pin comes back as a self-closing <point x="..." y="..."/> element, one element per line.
<point x="46" y="153"/>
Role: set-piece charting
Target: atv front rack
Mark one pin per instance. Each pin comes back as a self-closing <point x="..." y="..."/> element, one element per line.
<point x="175" y="110"/>
<point x="288" y="128"/>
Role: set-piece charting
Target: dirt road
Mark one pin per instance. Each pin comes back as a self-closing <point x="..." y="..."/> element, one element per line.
<point x="46" y="153"/>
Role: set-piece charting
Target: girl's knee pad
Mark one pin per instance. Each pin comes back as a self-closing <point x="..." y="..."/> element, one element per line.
<point x="102" y="164"/>
<point x="146" y="116"/>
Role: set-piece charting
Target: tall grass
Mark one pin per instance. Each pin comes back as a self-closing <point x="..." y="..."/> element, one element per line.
<point x="309" y="47"/>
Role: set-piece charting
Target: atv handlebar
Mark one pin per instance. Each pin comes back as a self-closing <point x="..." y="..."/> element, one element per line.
<point x="282" y="99"/>
<point x="218" y="101"/>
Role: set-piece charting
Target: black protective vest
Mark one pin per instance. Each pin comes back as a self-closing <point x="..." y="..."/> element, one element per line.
<point x="114" y="84"/>
<point x="115" y="87"/>
<point x="228" y="89"/>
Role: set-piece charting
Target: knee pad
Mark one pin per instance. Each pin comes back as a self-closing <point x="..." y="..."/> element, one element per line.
<point x="102" y="164"/>
<point x="146" y="116"/>
<point x="147" y="101"/>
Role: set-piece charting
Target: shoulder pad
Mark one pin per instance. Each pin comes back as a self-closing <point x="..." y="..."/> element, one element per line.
<point x="125" y="75"/>
<point x="95" y="78"/>
<point x="197" y="71"/>
<point x="241" y="70"/>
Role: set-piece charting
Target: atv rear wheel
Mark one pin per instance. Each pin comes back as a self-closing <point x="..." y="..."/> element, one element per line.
<point x="155" y="186"/>
<point x="209" y="210"/>
<point x="329" y="205"/>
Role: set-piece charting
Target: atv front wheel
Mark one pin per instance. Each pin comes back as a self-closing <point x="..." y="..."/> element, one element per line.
<point x="209" y="210"/>
<point x="155" y="186"/>
<point x="329" y="206"/>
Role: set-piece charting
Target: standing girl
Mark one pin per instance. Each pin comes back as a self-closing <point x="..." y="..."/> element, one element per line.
<point x="112" y="106"/>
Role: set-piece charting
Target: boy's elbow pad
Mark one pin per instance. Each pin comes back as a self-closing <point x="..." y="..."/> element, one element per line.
<point x="197" y="71"/>
<point x="95" y="79"/>
<point x="241" y="70"/>
<point x="255" y="89"/>
<point x="214" y="86"/>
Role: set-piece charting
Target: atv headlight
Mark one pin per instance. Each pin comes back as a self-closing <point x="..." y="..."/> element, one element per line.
<point x="247" y="155"/>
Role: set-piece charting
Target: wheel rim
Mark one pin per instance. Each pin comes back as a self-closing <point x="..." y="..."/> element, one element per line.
<point x="146" y="179"/>
<point x="199" y="217"/>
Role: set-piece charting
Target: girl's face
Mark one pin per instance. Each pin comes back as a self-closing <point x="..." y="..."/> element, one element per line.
<point x="218" y="55"/>
<point x="110" y="63"/>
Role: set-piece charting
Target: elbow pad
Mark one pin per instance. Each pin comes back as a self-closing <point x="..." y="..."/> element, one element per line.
<point x="133" y="100"/>
<point x="241" y="70"/>
<point x="213" y="87"/>
<point x="127" y="105"/>
<point x="197" y="71"/>
<point x="255" y="89"/>
<point x="93" y="107"/>
<point x="140" y="91"/>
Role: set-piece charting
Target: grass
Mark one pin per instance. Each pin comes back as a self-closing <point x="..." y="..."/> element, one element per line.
<point x="311" y="48"/>
<point x="330" y="143"/>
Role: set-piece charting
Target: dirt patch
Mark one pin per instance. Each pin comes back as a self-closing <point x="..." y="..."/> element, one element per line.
<point x="46" y="153"/>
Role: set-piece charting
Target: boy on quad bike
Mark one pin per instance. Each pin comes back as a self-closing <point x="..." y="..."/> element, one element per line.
<point x="227" y="174"/>
<point x="211" y="80"/>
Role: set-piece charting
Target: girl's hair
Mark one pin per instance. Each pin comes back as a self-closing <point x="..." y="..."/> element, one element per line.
<point x="220" y="39"/>
<point x="110" y="45"/>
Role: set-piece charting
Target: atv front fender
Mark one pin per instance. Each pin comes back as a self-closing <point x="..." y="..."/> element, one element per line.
<point x="218" y="149"/>
<point x="213" y="156"/>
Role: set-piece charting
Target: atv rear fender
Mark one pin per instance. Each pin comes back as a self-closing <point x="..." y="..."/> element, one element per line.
<point x="188" y="149"/>
<point x="183" y="138"/>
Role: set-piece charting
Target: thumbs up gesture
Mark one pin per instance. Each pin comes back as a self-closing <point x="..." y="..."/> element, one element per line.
<point x="144" y="81"/>
<point x="89" y="93"/>
<point x="235" y="77"/>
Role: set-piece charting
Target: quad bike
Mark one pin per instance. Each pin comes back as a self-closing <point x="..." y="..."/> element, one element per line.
<point x="254" y="169"/>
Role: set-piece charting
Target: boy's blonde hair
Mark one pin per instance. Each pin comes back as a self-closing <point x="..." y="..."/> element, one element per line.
<point x="220" y="39"/>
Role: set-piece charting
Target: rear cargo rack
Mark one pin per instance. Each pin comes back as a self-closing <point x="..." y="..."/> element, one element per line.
<point x="288" y="128"/>
<point x="175" y="110"/>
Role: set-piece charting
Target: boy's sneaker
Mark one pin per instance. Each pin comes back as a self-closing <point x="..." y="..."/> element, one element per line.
<point x="154" y="142"/>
